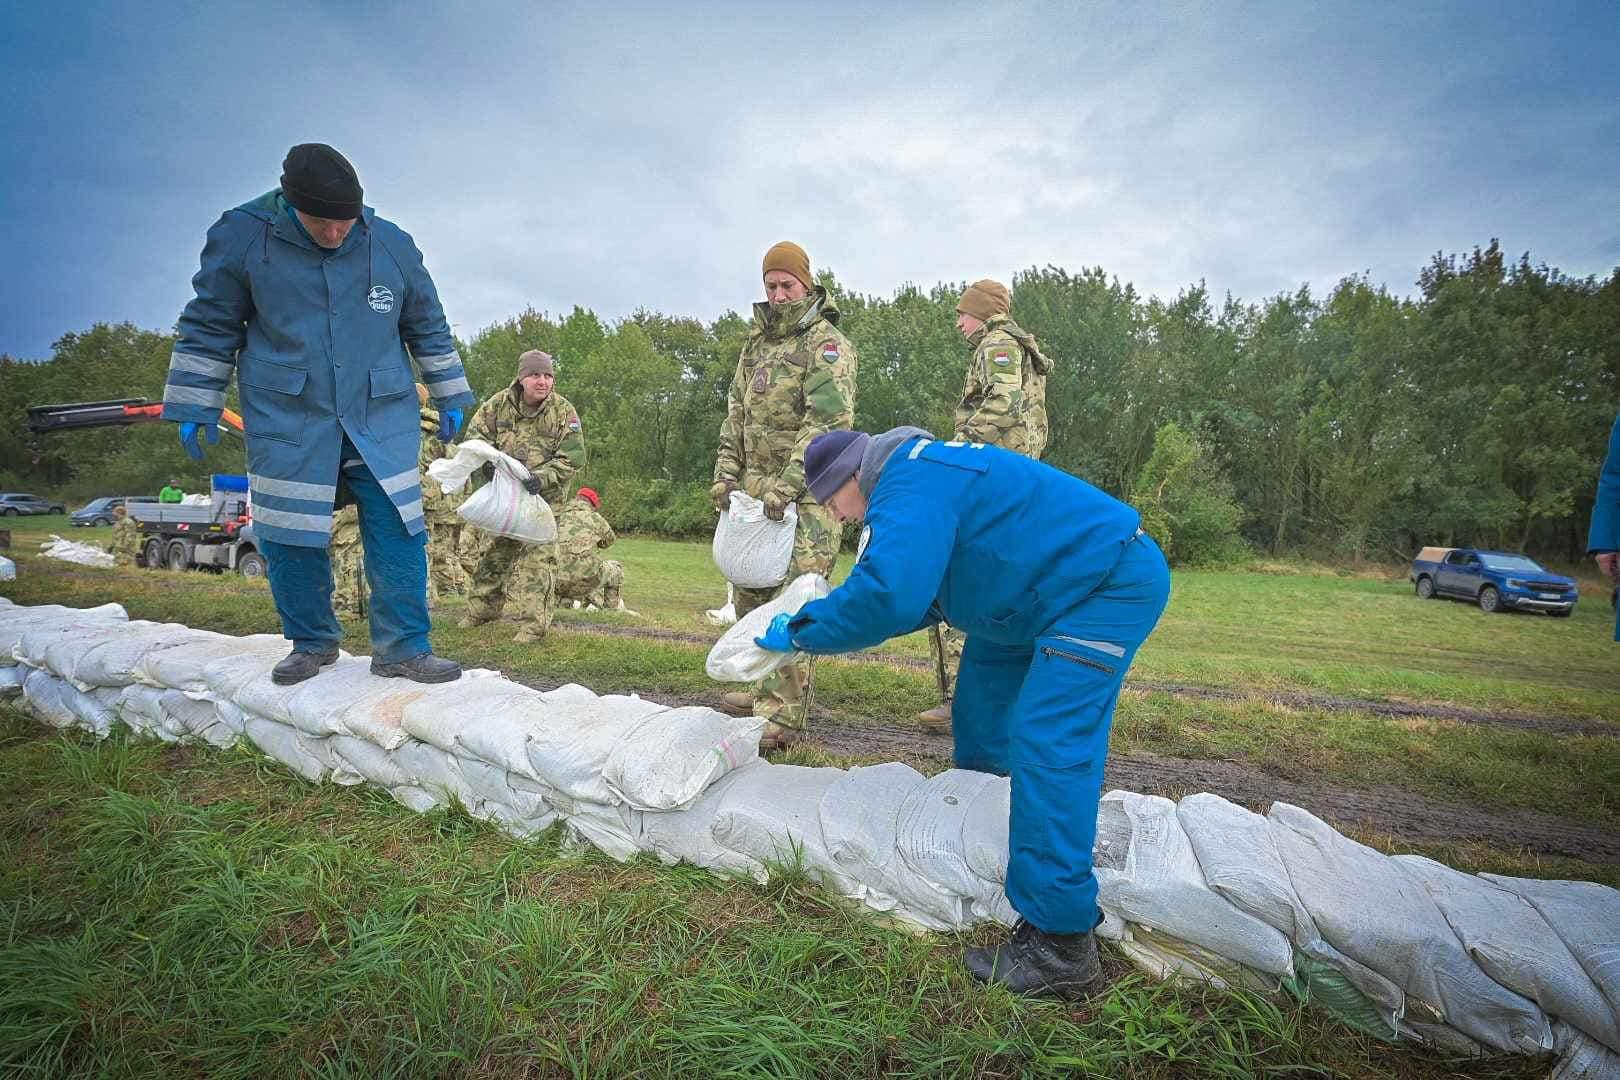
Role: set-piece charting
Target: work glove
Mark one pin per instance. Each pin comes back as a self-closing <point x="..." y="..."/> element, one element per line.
<point x="776" y="637"/>
<point x="776" y="503"/>
<point x="532" y="485"/>
<point x="720" y="494"/>
<point x="449" y="424"/>
<point x="188" y="438"/>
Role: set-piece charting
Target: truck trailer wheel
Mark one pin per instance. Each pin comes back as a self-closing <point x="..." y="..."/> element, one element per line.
<point x="179" y="556"/>
<point x="1490" y="601"/>
<point x="1425" y="587"/>
<point x="154" y="554"/>
<point x="252" y="565"/>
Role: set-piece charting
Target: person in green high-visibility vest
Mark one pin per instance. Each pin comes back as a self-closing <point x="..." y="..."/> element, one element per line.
<point x="171" y="493"/>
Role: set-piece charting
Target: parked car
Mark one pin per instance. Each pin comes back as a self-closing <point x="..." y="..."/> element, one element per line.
<point x="13" y="503"/>
<point x="1495" y="580"/>
<point x="97" y="511"/>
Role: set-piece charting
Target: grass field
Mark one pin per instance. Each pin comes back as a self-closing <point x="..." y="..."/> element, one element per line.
<point x="198" y="912"/>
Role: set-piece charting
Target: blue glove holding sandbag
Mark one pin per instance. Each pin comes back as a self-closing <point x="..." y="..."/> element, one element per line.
<point x="449" y="424"/>
<point x="776" y="637"/>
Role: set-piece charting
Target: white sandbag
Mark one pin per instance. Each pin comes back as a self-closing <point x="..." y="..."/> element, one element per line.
<point x="378" y="716"/>
<point x="45" y="696"/>
<point x="502" y="506"/>
<point x="773" y="816"/>
<point x="724" y="616"/>
<point x="1511" y="941"/>
<point x="74" y="552"/>
<point x="667" y="760"/>
<point x="735" y="657"/>
<point x="113" y="663"/>
<point x="612" y="829"/>
<point x="318" y="705"/>
<point x="267" y="699"/>
<point x="199" y="717"/>
<point x="1367" y="908"/>
<point x="570" y="745"/>
<point x="74" y="631"/>
<point x="750" y="549"/>
<point x="1167" y="958"/>
<point x="8" y="569"/>
<point x="359" y="761"/>
<point x="415" y="798"/>
<point x="433" y="770"/>
<point x="493" y="785"/>
<point x="986" y="827"/>
<point x="22" y="619"/>
<point x="96" y="708"/>
<point x="63" y="656"/>
<point x="521" y="826"/>
<point x="299" y="752"/>
<point x="688" y="835"/>
<point x="1580" y="1057"/>
<point x="930" y="839"/>
<point x="491" y="719"/>
<point x="1146" y="870"/>
<point x="860" y="820"/>
<point x="1585" y="916"/>
<point x="141" y="709"/>
<point x="11" y="680"/>
<point x="219" y="664"/>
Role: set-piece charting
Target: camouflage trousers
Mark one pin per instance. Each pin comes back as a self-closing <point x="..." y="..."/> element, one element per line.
<point x="945" y="642"/>
<point x="446" y="574"/>
<point x="591" y="581"/>
<point x="786" y="695"/>
<point x="520" y="576"/>
<point x="348" y="573"/>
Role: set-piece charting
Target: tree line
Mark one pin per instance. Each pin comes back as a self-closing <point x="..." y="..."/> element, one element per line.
<point x="1360" y="424"/>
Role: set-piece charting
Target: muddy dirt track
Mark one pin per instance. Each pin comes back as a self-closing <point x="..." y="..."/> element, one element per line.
<point x="1394" y="811"/>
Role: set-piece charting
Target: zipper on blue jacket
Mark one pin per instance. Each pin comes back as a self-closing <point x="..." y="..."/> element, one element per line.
<point x="1076" y="658"/>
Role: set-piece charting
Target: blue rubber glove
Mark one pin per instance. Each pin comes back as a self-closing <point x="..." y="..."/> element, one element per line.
<point x="449" y="424"/>
<point x="188" y="437"/>
<point x="777" y="638"/>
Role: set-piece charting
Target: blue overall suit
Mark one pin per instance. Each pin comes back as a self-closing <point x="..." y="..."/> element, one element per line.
<point x="1056" y="587"/>
<point x="325" y="347"/>
<point x="1605" y="533"/>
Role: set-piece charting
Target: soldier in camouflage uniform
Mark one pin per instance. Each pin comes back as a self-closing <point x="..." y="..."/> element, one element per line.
<point x="126" y="539"/>
<point x="1003" y="404"/>
<point x="794" y="381"/>
<point x="348" y="564"/>
<point x="439" y="511"/>
<point x="582" y="574"/>
<point x="533" y="423"/>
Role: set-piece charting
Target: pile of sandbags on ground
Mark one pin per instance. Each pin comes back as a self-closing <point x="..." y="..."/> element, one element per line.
<point x="1397" y="946"/>
<point x="74" y="552"/>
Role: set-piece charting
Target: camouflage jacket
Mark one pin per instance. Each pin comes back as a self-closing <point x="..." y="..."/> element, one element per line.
<point x="436" y="505"/>
<point x="794" y="381"/>
<point x="1004" y="401"/>
<point x="126" y="538"/>
<point x="581" y="531"/>
<point x="346" y="528"/>
<point x="549" y="440"/>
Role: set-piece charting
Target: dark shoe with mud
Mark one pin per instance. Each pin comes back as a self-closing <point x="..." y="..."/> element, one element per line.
<point x="425" y="668"/>
<point x="1040" y="964"/>
<point x="298" y="666"/>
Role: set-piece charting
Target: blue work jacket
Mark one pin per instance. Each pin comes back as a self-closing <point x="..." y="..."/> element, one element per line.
<point x="1605" y="533"/>
<point x="997" y="544"/>
<point x="323" y="344"/>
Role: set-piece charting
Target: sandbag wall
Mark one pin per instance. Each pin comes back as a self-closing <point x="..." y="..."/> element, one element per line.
<point x="1400" y="947"/>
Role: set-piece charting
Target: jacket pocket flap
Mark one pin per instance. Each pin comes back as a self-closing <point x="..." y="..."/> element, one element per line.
<point x="388" y="381"/>
<point x="263" y="375"/>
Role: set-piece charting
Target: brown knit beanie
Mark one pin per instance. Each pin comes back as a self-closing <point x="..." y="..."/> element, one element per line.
<point x="535" y="362"/>
<point x="985" y="298"/>
<point x="790" y="257"/>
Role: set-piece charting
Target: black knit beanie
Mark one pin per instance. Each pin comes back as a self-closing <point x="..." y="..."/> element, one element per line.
<point x="320" y="181"/>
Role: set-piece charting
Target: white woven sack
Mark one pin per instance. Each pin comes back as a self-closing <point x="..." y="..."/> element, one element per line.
<point x="672" y="757"/>
<point x="502" y="506"/>
<point x="750" y="549"/>
<point x="735" y="657"/>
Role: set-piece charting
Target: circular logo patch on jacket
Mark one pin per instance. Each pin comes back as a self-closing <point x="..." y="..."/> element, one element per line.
<point x="381" y="298"/>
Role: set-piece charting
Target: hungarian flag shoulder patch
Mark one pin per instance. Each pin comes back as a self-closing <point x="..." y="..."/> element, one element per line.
<point x="829" y="351"/>
<point x="1001" y="358"/>
<point x="573" y="422"/>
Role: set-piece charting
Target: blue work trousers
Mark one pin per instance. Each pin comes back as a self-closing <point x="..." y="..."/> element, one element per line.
<point x="1040" y="713"/>
<point x="396" y="573"/>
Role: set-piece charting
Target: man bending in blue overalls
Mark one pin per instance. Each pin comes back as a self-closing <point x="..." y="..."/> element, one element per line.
<point x="1056" y="587"/>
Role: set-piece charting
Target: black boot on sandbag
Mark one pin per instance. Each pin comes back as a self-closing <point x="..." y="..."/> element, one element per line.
<point x="1040" y="964"/>
<point x="424" y="668"/>
<point x="298" y="666"/>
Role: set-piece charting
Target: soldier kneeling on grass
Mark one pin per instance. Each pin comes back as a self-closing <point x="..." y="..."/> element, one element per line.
<point x="1056" y="586"/>
<point x="583" y="575"/>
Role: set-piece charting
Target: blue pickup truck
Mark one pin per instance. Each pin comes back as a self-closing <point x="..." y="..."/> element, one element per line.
<point x="1495" y="580"/>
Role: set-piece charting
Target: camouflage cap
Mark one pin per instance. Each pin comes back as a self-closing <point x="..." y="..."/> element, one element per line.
<point x="535" y="362"/>
<point x="790" y="258"/>
<point x="985" y="298"/>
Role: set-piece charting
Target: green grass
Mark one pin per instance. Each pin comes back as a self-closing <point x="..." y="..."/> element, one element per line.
<point x="184" y="911"/>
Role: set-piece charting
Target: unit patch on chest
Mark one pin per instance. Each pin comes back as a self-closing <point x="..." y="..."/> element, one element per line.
<point x="760" y="380"/>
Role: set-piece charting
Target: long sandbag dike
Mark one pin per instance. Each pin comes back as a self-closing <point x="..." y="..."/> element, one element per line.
<point x="1400" y="947"/>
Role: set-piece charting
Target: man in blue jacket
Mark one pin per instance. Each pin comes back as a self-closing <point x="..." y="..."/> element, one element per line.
<point x="1604" y="538"/>
<point x="1056" y="586"/>
<point x="328" y="318"/>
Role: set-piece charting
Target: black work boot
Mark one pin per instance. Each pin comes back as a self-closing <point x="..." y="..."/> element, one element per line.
<point x="298" y="666"/>
<point x="1037" y="963"/>
<point x="424" y="667"/>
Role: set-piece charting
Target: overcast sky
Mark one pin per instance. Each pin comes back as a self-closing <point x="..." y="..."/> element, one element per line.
<point x="624" y="156"/>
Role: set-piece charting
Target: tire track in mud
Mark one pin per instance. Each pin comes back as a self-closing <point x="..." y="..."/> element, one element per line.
<point x="1292" y="699"/>
<point x="1395" y="811"/>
